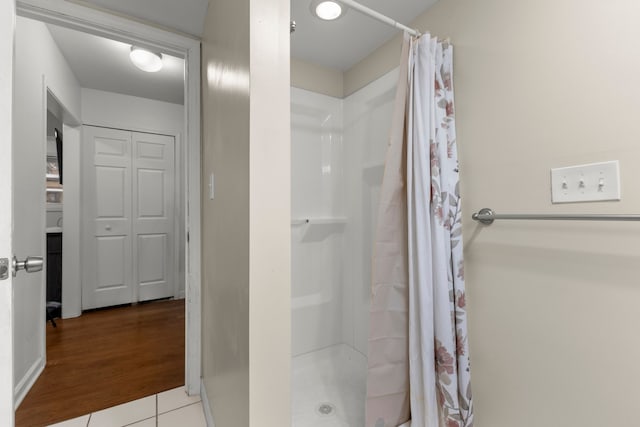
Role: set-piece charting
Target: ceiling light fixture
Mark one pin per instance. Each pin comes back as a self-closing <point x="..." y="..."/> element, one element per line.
<point x="146" y="60"/>
<point x="327" y="10"/>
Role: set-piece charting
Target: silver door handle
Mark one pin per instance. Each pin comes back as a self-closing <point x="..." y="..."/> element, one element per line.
<point x="31" y="265"/>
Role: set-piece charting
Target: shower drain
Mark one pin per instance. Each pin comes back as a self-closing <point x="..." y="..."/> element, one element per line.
<point x="326" y="409"/>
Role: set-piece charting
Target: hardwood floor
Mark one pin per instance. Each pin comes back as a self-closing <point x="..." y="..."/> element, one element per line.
<point x="105" y="358"/>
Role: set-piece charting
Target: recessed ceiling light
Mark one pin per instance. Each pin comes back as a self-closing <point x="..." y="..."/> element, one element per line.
<point x="146" y="60"/>
<point x="327" y="9"/>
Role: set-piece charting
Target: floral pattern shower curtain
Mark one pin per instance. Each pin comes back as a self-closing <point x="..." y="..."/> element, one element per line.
<point x="418" y="350"/>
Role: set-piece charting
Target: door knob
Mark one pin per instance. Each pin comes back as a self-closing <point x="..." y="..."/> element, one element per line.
<point x="31" y="265"/>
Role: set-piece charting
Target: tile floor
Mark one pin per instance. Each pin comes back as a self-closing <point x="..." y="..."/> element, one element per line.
<point x="167" y="409"/>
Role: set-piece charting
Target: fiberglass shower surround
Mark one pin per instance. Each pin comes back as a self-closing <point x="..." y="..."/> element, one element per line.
<point x="337" y="151"/>
<point x="338" y="165"/>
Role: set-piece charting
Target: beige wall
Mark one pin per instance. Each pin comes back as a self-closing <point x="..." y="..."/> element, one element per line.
<point x="315" y="78"/>
<point x="225" y="220"/>
<point x="553" y="306"/>
<point x="246" y="232"/>
<point x="374" y="66"/>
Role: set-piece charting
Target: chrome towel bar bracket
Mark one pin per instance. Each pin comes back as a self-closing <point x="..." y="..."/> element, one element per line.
<point x="486" y="216"/>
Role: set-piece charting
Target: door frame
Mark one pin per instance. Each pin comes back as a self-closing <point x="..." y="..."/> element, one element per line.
<point x="98" y="22"/>
<point x="7" y="33"/>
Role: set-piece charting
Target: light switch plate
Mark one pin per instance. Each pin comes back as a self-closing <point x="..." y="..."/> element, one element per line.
<point x="212" y="187"/>
<point x="586" y="183"/>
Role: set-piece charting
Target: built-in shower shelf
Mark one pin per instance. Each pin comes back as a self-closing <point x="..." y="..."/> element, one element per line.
<point x="319" y="221"/>
<point x="319" y="228"/>
<point x="373" y="167"/>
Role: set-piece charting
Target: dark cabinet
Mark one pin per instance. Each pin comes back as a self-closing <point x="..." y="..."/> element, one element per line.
<point x="54" y="268"/>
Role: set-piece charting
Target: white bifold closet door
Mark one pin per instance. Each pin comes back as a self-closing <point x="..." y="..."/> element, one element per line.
<point x="128" y="252"/>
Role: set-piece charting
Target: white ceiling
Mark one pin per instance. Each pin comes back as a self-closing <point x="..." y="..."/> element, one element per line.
<point x="104" y="64"/>
<point x="344" y="42"/>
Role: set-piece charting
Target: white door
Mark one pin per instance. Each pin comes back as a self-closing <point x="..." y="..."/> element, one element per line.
<point x="28" y="154"/>
<point x="128" y="190"/>
<point x="106" y="188"/>
<point x="22" y="226"/>
<point x="7" y="31"/>
<point x="153" y="213"/>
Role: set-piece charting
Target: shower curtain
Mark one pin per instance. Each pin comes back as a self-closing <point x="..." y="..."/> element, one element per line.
<point x="418" y="352"/>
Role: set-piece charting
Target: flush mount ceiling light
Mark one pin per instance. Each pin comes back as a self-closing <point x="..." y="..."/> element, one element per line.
<point x="327" y="10"/>
<point x="146" y="60"/>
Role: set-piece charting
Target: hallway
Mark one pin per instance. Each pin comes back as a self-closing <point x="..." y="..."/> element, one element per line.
<point x="105" y="358"/>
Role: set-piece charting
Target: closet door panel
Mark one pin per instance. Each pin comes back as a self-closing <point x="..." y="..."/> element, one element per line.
<point x="153" y="213"/>
<point x="111" y="181"/>
<point x="107" y="244"/>
<point x="111" y="251"/>
<point x="152" y="261"/>
<point x="151" y="194"/>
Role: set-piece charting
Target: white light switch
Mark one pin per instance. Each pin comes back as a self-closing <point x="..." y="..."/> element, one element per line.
<point x="586" y="183"/>
<point x="211" y="187"/>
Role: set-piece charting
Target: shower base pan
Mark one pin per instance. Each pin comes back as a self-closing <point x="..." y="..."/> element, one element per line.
<point x="329" y="387"/>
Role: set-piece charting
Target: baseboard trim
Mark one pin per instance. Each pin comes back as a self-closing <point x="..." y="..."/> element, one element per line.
<point x="208" y="415"/>
<point x="23" y="387"/>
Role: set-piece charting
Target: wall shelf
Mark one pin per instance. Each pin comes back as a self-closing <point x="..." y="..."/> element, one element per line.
<point x="319" y="221"/>
<point x="318" y="228"/>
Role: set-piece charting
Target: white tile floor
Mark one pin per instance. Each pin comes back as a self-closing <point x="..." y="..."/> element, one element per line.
<point x="167" y="409"/>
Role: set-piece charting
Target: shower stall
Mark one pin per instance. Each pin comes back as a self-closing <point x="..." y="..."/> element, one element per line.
<point x="337" y="162"/>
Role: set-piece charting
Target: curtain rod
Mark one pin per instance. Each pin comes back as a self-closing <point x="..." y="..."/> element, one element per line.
<point x="380" y="17"/>
<point x="486" y="216"/>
